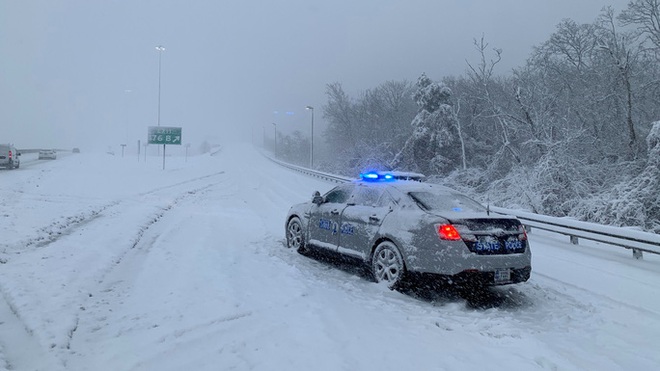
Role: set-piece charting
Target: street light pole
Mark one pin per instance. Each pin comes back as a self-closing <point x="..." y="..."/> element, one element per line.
<point x="275" y="125"/>
<point x="160" y="49"/>
<point x="126" y="92"/>
<point x="311" y="149"/>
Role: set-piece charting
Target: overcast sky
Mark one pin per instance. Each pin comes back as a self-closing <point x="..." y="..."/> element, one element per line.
<point x="84" y="73"/>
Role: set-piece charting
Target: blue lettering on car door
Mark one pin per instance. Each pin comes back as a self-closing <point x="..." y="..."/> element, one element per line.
<point x="325" y="224"/>
<point x="347" y="228"/>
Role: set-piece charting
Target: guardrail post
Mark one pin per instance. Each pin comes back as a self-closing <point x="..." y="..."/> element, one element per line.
<point x="574" y="240"/>
<point x="637" y="254"/>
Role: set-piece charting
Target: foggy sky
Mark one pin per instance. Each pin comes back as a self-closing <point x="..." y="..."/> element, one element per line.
<point x="84" y="73"/>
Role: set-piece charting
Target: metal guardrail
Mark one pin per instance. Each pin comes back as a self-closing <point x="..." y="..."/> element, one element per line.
<point x="637" y="241"/>
<point x="312" y="173"/>
<point x="634" y="240"/>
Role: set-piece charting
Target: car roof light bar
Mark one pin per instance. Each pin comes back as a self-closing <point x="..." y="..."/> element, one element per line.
<point x="382" y="176"/>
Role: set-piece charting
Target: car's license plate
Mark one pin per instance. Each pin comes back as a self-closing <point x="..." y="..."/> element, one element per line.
<point x="502" y="275"/>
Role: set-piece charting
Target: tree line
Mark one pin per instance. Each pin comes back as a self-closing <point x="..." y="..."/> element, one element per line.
<point x="569" y="133"/>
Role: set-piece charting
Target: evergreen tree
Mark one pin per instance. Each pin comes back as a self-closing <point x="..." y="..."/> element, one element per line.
<point x="433" y="147"/>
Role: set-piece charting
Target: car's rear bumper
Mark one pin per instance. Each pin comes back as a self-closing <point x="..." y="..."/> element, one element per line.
<point x="471" y="277"/>
<point x="474" y="278"/>
<point x="452" y="258"/>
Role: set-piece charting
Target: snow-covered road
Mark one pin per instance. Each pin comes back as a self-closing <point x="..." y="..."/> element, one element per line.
<point x="111" y="264"/>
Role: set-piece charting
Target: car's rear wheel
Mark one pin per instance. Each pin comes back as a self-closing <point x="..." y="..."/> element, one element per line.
<point x="294" y="235"/>
<point x="387" y="265"/>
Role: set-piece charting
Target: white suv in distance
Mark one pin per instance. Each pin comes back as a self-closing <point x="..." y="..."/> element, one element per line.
<point x="9" y="157"/>
<point x="49" y="154"/>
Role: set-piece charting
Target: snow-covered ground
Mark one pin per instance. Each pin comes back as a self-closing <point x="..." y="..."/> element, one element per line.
<point x="111" y="264"/>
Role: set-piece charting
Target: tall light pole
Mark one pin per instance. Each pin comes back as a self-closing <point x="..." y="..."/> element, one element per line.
<point x="160" y="49"/>
<point x="311" y="148"/>
<point x="275" y="125"/>
<point x="126" y="93"/>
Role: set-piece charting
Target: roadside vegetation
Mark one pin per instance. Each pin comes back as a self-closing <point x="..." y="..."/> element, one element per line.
<point x="569" y="133"/>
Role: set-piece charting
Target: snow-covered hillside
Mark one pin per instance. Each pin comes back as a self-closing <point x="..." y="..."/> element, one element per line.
<point x="111" y="264"/>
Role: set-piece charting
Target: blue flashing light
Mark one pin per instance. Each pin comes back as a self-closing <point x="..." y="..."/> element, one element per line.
<point x="374" y="176"/>
<point x="370" y="175"/>
<point x="390" y="176"/>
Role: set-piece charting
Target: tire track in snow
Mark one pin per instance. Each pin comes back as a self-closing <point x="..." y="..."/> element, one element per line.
<point x="137" y="241"/>
<point x="67" y="225"/>
<point x="600" y="296"/>
<point x="79" y="222"/>
<point x="17" y="338"/>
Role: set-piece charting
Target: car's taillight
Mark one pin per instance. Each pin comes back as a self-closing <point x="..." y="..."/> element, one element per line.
<point x="448" y="232"/>
<point x="10" y="155"/>
<point x="522" y="236"/>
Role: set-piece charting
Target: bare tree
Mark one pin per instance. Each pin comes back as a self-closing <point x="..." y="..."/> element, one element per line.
<point x="623" y="54"/>
<point x="645" y="14"/>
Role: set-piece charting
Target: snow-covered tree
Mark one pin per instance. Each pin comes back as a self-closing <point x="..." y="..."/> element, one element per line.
<point x="645" y="14"/>
<point x="434" y="146"/>
<point x="632" y="202"/>
<point x="367" y="131"/>
<point x="638" y="202"/>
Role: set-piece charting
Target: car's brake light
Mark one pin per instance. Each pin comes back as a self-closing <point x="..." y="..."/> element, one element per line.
<point x="448" y="232"/>
<point x="522" y="236"/>
<point x="10" y="155"/>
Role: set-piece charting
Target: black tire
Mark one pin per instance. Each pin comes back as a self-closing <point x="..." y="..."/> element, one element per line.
<point x="295" y="238"/>
<point x="387" y="265"/>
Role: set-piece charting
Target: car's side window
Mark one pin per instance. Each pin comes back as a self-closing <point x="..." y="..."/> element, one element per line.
<point x="384" y="200"/>
<point x="339" y="195"/>
<point x="366" y="196"/>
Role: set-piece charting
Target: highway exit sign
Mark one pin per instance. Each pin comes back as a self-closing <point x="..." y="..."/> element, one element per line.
<point x="164" y="135"/>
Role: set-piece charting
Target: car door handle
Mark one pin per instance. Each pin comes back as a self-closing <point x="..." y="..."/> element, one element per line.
<point x="334" y="212"/>
<point x="374" y="218"/>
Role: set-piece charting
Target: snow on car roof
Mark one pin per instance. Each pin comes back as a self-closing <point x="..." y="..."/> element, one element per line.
<point x="409" y="186"/>
<point x="412" y="186"/>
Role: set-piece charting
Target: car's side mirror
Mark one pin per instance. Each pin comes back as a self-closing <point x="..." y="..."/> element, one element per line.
<point x="317" y="198"/>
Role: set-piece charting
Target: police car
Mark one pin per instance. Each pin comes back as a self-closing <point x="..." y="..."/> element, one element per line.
<point x="398" y="226"/>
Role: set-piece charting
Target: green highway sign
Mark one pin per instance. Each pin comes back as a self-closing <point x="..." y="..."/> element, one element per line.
<point x="164" y="135"/>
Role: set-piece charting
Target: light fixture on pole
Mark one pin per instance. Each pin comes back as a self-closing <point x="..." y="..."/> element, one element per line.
<point x="311" y="148"/>
<point x="275" y="125"/>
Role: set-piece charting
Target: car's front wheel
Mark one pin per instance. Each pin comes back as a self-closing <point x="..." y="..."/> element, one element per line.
<point x="387" y="264"/>
<point x="294" y="235"/>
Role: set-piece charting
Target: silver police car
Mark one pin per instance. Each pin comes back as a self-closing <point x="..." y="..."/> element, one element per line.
<point x="399" y="226"/>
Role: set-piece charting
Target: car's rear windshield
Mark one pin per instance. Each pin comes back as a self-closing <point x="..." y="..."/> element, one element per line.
<point x="445" y="202"/>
